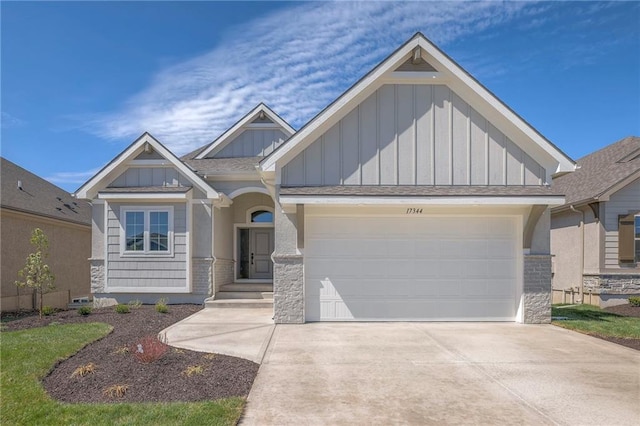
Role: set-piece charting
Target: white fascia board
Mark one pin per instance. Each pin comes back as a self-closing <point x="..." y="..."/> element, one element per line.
<point x="412" y="201"/>
<point x="90" y="189"/>
<point x="242" y="124"/>
<point x="448" y="73"/>
<point x="618" y="186"/>
<point x="182" y="167"/>
<point x="141" y="196"/>
<point x="565" y="164"/>
<point x="343" y="104"/>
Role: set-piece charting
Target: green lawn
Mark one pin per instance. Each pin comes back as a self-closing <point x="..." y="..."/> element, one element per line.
<point x="593" y="320"/>
<point x="27" y="356"/>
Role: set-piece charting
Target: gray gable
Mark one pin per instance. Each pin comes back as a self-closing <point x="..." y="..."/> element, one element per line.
<point x="38" y="196"/>
<point x="418" y="134"/>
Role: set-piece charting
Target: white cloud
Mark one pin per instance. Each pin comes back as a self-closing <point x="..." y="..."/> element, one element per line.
<point x="7" y="120"/>
<point x="297" y="61"/>
<point x="71" y="177"/>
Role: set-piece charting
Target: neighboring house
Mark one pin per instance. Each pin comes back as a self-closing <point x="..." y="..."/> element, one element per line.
<point x="416" y="195"/>
<point x="595" y="235"/>
<point x="28" y="202"/>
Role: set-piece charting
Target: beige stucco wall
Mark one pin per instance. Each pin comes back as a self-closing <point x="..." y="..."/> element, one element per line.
<point x="540" y="240"/>
<point x="566" y="247"/>
<point x="244" y="202"/>
<point x="223" y="233"/>
<point x="70" y="247"/>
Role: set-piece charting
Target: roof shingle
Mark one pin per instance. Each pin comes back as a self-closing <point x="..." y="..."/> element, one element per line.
<point x="210" y="166"/>
<point x="600" y="171"/>
<point x="38" y="196"/>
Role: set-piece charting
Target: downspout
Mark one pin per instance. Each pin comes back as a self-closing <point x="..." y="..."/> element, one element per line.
<point x="213" y="254"/>
<point x="581" y="252"/>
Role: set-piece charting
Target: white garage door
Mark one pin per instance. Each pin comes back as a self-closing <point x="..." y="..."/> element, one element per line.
<point x="411" y="268"/>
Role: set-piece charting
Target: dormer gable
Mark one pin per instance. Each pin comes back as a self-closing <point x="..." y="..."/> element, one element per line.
<point x="159" y="166"/>
<point x="257" y="134"/>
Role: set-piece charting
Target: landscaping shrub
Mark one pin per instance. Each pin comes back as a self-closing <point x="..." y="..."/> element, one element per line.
<point x="122" y="309"/>
<point x="193" y="370"/>
<point x="83" y="370"/>
<point x="84" y="310"/>
<point x="121" y="350"/>
<point x="149" y="349"/>
<point x="48" y="310"/>
<point x="161" y="306"/>
<point x="634" y="300"/>
<point x="135" y="304"/>
<point x="116" y="391"/>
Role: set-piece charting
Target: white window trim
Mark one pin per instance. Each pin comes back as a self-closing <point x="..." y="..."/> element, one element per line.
<point x="252" y="210"/>
<point x="146" y="210"/>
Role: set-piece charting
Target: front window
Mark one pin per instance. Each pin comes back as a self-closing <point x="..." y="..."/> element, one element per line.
<point x="147" y="231"/>
<point x="134" y="231"/>
<point x="637" y="238"/>
<point x="262" y="216"/>
<point x="158" y="231"/>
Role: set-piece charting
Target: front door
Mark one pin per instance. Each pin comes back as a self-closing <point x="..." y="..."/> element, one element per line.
<point x="255" y="248"/>
<point x="260" y="264"/>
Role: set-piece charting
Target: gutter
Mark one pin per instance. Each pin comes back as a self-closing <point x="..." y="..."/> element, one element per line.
<point x="573" y="209"/>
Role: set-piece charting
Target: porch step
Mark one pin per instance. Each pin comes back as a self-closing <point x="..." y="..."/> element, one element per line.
<point x="248" y="287"/>
<point x="239" y="303"/>
<point x="244" y="295"/>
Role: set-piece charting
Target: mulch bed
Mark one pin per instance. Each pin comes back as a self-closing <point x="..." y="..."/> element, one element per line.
<point x="626" y="311"/>
<point x="163" y="380"/>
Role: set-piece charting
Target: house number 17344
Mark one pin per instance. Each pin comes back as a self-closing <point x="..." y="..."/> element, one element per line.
<point x="413" y="210"/>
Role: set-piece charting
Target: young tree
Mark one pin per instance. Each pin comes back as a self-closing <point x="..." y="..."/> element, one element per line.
<point x="36" y="274"/>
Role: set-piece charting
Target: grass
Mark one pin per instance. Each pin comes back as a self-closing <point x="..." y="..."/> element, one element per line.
<point x="593" y="320"/>
<point x="28" y="355"/>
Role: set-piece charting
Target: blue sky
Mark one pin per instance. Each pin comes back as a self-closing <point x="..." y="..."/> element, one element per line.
<point x="81" y="80"/>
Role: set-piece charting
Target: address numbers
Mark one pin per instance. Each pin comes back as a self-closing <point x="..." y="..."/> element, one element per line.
<point x="414" y="210"/>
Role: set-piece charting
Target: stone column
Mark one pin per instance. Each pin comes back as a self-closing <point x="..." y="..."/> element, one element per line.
<point x="288" y="270"/>
<point x="201" y="275"/>
<point x="288" y="289"/>
<point x="97" y="276"/>
<point x="537" y="289"/>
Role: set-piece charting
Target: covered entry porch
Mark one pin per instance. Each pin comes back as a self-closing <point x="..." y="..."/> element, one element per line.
<point x="243" y="241"/>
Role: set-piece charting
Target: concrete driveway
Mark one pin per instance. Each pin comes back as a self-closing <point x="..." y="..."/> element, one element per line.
<point x="443" y="373"/>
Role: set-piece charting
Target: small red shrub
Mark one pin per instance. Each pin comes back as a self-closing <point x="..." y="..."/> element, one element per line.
<point x="149" y="349"/>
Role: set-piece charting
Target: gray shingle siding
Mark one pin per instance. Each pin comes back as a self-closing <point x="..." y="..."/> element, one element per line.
<point x="145" y="271"/>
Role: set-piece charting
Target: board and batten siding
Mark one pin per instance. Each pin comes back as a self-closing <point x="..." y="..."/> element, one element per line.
<point x="253" y="143"/>
<point x="623" y="202"/>
<point x="150" y="176"/>
<point x="147" y="272"/>
<point x="413" y="135"/>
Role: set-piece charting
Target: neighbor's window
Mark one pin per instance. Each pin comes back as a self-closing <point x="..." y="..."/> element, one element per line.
<point x="261" y="216"/>
<point x="147" y="231"/>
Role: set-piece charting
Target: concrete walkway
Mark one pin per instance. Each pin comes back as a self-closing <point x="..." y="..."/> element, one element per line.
<point x="243" y="333"/>
<point x="443" y="373"/>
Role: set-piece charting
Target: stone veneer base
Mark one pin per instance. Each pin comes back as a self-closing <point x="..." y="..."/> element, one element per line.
<point x="537" y="289"/>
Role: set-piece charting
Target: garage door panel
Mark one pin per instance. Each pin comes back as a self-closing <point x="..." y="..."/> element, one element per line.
<point x="406" y="310"/>
<point x="427" y="268"/>
<point x="502" y="287"/>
